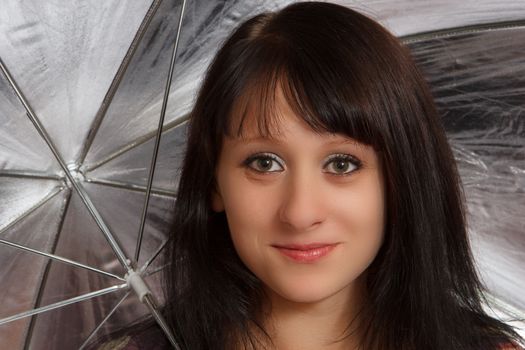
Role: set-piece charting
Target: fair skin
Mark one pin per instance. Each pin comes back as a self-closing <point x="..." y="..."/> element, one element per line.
<point x="306" y="215"/>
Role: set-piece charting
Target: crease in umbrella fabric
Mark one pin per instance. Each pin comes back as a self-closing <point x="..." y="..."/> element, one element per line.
<point x="95" y="74"/>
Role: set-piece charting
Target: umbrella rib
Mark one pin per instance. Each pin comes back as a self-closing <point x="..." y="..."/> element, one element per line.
<point x="104" y="320"/>
<point x="45" y="273"/>
<point x="158" y="269"/>
<point x="63" y="303"/>
<point x="28" y="174"/>
<point x="157" y="315"/>
<point x="59" y="258"/>
<point x="118" y="79"/>
<point x="150" y="260"/>
<point x="131" y="187"/>
<point x="143" y="139"/>
<point x="471" y="29"/>
<point x="76" y="185"/>
<point x="159" y="134"/>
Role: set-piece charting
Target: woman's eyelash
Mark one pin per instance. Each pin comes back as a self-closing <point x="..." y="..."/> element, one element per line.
<point x="343" y="159"/>
<point x="263" y="157"/>
<point x="268" y="161"/>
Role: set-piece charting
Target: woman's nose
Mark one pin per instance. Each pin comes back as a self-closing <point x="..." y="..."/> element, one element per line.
<point x="302" y="203"/>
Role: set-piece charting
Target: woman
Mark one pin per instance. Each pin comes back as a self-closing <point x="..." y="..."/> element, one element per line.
<point x="319" y="205"/>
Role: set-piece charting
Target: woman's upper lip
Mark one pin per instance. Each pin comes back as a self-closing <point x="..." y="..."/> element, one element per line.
<point x="307" y="246"/>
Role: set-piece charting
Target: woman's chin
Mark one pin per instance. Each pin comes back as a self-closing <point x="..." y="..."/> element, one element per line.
<point x="304" y="294"/>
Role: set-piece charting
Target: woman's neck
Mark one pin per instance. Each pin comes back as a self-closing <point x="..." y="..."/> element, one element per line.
<point x="328" y="324"/>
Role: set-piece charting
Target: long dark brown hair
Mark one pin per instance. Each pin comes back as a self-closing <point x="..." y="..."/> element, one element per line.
<point x="342" y="73"/>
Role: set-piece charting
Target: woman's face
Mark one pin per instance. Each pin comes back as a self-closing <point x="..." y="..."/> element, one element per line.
<point x="305" y="210"/>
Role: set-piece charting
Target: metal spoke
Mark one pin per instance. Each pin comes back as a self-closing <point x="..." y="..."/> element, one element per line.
<point x="159" y="134"/>
<point x="76" y="185"/>
<point x="130" y="187"/>
<point x="60" y="259"/>
<point x="92" y="334"/>
<point x="63" y="303"/>
<point x="153" y="257"/>
<point x="118" y="79"/>
<point x="28" y="174"/>
<point x="160" y="320"/>
<point x="40" y="293"/>
<point x="135" y="143"/>
<point x="158" y="269"/>
<point x="444" y="33"/>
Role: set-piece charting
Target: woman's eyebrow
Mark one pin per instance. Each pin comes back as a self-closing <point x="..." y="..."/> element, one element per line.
<point x="259" y="139"/>
<point x="280" y="141"/>
<point x="344" y="140"/>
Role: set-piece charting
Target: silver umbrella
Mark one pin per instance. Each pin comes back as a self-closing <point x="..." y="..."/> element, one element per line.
<point x="84" y="214"/>
<point x="88" y="80"/>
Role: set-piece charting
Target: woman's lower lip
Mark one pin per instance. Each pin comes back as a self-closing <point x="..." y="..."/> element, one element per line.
<point x="307" y="256"/>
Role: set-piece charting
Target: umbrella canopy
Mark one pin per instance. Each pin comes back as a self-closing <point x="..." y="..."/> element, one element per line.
<point x="82" y="92"/>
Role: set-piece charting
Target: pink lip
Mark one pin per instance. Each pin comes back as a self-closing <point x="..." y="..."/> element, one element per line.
<point x="306" y="253"/>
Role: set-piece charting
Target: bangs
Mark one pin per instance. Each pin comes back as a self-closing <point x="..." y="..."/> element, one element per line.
<point x="316" y="98"/>
<point x="260" y="106"/>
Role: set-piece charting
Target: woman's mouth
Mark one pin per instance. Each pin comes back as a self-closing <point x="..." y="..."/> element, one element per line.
<point x="307" y="253"/>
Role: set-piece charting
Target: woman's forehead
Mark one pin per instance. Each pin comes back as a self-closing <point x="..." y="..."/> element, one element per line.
<point x="260" y="113"/>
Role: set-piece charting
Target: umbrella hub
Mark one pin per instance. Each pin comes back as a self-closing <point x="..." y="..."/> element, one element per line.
<point x="136" y="282"/>
<point x="76" y="174"/>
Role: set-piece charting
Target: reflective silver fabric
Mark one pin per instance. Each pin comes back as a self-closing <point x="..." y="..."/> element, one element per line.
<point x="94" y="73"/>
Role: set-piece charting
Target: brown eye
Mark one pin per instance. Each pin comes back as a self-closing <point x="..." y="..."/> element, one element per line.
<point x="342" y="164"/>
<point x="264" y="163"/>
